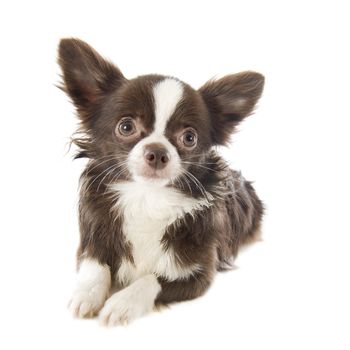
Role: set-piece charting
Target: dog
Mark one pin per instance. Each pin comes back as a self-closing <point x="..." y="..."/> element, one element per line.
<point x="160" y="211"/>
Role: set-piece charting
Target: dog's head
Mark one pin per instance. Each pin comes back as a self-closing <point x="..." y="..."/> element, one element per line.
<point x="154" y="128"/>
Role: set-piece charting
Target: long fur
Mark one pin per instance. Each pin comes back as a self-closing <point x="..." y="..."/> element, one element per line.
<point x="167" y="236"/>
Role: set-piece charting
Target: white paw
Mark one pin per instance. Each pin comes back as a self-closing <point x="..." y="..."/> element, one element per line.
<point x="87" y="302"/>
<point x="130" y="303"/>
<point x="122" y="308"/>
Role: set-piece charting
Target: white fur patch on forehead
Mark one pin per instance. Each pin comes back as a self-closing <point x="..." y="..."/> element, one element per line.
<point x="167" y="94"/>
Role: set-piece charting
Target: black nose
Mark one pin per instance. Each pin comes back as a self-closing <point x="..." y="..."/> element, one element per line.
<point x="156" y="156"/>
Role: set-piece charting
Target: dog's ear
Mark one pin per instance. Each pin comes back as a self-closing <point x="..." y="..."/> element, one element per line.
<point x="87" y="77"/>
<point x="229" y="100"/>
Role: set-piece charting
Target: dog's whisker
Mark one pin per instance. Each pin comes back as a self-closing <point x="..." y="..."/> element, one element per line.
<point x="100" y="163"/>
<point x="198" y="184"/>
<point x="108" y="173"/>
<point x="200" y="166"/>
<point x="116" y="177"/>
<point x="100" y="174"/>
<point x="181" y="185"/>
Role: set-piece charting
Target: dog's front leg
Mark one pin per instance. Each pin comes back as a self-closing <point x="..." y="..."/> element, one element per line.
<point x="131" y="302"/>
<point x="141" y="296"/>
<point x="94" y="282"/>
<point x="181" y="290"/>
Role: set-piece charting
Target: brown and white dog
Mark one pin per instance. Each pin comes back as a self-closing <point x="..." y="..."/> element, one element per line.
<point x="160" y="211"/>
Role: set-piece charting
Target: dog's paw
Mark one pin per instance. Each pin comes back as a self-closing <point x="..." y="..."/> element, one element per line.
<point x="130" y="303"/>
<point x="121" y="309"/>
<point x="87" y="302"/>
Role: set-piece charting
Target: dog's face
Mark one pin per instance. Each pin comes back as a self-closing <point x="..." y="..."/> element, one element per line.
<point x="159" y="123"/>
<point x="154" y="127"/>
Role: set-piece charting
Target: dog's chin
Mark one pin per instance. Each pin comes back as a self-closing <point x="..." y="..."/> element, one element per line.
<point x="152" y="178"/>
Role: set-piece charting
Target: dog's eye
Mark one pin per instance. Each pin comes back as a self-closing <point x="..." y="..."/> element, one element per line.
<point x="126" y="127"/>
<point x="189" y="138"/>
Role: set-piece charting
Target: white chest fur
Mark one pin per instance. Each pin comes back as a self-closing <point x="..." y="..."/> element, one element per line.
<point x="147" y="211"/>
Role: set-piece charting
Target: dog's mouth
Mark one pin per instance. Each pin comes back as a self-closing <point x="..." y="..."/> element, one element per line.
<point x="147" y="173"/>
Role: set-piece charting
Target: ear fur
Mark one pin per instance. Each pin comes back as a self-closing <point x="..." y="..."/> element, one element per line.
<point x="86" y="75"/>
<point x="229" y="100"/>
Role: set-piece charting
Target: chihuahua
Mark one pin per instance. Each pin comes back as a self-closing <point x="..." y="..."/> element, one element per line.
<point x="160" y="211"/>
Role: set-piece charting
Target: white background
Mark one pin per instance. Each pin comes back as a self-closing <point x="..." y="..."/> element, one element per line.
<point x="289" y="292"/>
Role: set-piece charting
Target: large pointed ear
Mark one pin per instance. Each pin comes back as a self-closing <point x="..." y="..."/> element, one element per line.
<point x="87" y="77"/>
<point x="229" y="100"/>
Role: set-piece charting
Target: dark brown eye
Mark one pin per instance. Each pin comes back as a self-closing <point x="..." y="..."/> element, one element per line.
<point x="126" y="127"/>
<point x="189" y="138"/>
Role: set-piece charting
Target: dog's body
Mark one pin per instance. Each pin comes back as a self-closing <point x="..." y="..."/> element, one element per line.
<point x="160" y="211"/>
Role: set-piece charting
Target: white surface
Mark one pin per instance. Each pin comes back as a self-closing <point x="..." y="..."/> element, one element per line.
<point x="289" y="292"/>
